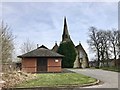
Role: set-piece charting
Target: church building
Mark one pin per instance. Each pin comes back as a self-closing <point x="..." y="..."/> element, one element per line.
<point x="81" y="57"/>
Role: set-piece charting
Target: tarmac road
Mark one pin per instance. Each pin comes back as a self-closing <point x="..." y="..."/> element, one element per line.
<point x="109" y="78"/>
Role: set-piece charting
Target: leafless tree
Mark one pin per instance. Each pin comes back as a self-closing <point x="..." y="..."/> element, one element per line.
<point x="94" y="42"/>
<point x="114" y="42"/>
<point x="27" y="46"/>
<point x="118" y="45"/>
<point x="105" y="43"/>
<point x="104" y="46"/>
<point x="7" y="45"/>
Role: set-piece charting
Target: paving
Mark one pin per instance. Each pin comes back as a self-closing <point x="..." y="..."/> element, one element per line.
<point x="109" y="78"/>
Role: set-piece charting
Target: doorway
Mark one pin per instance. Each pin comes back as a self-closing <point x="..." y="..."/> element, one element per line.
<point x="42" y="65"/>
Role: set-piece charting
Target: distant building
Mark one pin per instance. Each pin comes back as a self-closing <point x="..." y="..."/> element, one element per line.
<point x="110" y="63"/>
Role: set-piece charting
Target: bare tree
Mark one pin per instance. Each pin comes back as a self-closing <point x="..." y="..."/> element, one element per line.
<point x="105" y="43"/>
<point x="27" y="46"/>
<point x="118" y="45"/>
<point x="94" y="42"/>
<point x="7" y="45"/>
<point x="114" y="42"/>
<point x="104" y="46"/>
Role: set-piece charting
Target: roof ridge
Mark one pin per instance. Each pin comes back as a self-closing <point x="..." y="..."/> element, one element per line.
<point x="41" y="52"/>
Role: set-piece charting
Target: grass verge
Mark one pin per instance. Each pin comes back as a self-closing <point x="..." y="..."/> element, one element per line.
<point x="58" y="79"/>
<point x="115" y="69"/>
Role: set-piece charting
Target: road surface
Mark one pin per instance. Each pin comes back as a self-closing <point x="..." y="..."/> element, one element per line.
<point x="109" y="78"/>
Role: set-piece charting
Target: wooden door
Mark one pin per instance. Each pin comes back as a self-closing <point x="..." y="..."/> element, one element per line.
<point x="42" y="65"/>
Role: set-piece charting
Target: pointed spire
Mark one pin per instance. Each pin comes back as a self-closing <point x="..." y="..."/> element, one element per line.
<point x="65" y="36"/>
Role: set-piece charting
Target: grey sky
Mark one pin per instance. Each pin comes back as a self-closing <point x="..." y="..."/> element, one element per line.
<point x="42" y="22"/>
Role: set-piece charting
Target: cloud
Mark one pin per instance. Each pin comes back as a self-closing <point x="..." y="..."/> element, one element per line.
<point x="43" y="22"/>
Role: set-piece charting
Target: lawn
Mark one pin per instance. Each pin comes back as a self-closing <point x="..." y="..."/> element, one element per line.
<point x="58" y="79"/>
<point x="115" y="69"/>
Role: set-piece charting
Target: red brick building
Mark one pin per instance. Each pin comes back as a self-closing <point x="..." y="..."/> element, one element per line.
<point x="41" y="60"/>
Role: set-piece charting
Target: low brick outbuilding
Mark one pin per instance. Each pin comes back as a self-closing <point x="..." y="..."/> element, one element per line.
<point x="41" y="60"/>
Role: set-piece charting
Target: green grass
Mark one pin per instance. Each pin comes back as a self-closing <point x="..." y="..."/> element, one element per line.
<point x="57" y="79"/>
<point x="115" y="69"/>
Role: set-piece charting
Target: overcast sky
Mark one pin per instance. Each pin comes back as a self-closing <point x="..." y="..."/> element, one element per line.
<point x="42" y="23"/>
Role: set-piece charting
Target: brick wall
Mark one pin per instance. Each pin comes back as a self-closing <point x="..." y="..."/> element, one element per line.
<point x="29" y="64"/>
<point x="54" y="65"/>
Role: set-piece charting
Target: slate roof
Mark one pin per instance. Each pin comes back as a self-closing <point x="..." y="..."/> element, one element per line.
<point x="41" y="51"/>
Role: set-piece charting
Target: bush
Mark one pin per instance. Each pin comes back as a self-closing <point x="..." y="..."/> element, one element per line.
<point x="13" y="78"/>
<point x="68" y="50"/>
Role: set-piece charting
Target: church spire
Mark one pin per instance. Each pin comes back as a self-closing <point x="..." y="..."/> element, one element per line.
<point x="65" y="36"/>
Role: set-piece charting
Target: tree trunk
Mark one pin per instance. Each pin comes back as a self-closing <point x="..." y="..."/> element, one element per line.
<point x="98" y="61"/>
<point x="107" y="58"/>
<point x="115" y="56"/>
